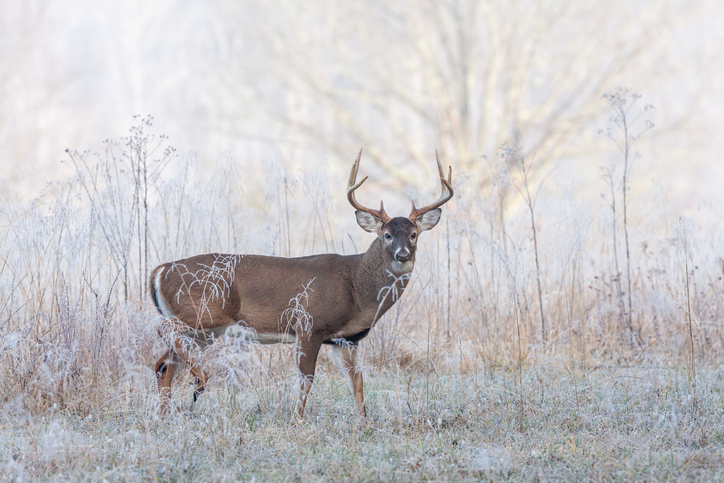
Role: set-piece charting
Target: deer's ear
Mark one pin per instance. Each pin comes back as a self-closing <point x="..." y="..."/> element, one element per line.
<point x="428" y="220"/>
<point x="368" y="222"/>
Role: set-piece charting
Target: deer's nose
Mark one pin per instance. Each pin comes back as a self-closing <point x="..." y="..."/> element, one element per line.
<point x="403" y="256"/>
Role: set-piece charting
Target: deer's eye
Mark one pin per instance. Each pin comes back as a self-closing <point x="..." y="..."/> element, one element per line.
<point x="388" y="236"/>
<point x="413" y="235"/>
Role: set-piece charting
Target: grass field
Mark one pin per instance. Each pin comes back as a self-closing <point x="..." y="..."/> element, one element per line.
<point x="591" y="351"/>
<point x="427" y="421"/>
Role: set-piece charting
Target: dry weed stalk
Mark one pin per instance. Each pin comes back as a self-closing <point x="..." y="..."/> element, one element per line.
<point x="625" y="121"/>
<point x="682" y="236"/>
<point x="515" y="155"/>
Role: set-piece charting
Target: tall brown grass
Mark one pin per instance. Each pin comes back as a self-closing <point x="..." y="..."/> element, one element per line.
<point x="499" y="360"/>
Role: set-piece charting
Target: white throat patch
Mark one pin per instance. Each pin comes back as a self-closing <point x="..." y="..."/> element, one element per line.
<point x="402" y="267"/>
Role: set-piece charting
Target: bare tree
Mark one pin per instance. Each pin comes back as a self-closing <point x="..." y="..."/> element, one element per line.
<point x="463" y="75"/>
<point x="399" y="78"/>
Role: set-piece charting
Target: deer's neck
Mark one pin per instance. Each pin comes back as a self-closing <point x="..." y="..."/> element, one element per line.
<point x="379" y="282"/>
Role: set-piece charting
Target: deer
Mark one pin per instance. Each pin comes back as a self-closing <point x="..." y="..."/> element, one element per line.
<point x="309" y="301"/>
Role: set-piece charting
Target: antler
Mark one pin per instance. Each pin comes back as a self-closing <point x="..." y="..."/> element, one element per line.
<point x="351" y="187"/>
<point x="447" y="193"/>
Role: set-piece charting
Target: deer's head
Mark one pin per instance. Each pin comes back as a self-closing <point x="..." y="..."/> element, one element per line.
<point x="399" y="235"/>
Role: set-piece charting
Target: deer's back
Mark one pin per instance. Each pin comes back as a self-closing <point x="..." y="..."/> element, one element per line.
<point x="215" y="290"/>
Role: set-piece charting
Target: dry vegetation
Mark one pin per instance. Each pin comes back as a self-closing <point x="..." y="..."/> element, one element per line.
<point x="462" y="383"/>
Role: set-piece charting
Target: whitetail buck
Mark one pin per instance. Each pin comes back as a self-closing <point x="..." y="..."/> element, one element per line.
<point x="309" y="301"/>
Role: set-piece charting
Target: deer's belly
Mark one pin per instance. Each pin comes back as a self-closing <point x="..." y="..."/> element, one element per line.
<point x="236" y="330"/>
<point x="272" y="338"/>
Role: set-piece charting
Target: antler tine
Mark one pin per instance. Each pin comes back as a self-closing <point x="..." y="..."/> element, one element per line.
<point x="355" y="168"/>
<point x="447" y="192"/>
<point x="442" y="173"/>
<point x="352" y="186"/>
<point x="439" y="165"/>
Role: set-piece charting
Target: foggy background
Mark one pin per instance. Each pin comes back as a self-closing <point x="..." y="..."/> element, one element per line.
<point x="312" y="82"/>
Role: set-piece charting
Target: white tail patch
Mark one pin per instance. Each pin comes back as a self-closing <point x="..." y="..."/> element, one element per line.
<point x="160" y="299"/>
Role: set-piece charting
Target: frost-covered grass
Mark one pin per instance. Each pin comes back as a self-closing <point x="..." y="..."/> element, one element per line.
<point x="460" y="383"/>
<point x="427" y="421"/>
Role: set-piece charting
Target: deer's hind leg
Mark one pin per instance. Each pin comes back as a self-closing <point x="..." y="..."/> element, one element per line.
<point x="169" y="331"/>
<point x="166" y="368"/>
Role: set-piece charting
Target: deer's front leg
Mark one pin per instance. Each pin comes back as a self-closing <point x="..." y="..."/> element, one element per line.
<point x="306" y="353"/>
<point x="345" y="358"/>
